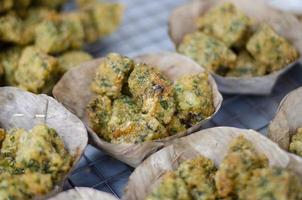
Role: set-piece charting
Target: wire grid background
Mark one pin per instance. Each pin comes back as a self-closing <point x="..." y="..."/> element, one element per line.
<point x="144" y="30"/>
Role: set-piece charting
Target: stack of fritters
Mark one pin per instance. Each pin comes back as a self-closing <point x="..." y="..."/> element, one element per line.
<point x="244" y="174"/>
<point x="31" y="162"/>
<point x="137" y="103"/>
<point x="229" y="43"/>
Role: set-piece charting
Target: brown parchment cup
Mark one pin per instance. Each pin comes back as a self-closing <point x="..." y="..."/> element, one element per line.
<point x="182" y="21"/>
<point x="287" y="120"/>
<point x="82" y="193"/>
<point x="20" y="109"/>
<point x="212" y="143"/>
<point x="73" y="90"/>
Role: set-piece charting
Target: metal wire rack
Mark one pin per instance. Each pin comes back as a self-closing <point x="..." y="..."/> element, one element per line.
<point x="145" y="30"/>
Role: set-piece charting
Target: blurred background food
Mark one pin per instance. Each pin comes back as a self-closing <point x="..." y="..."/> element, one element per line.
<point x="230" y="43"/>
<point x="55" y="37"/>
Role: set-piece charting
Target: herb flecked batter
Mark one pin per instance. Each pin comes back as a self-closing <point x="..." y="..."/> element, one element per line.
<point x="296" y="143"/>
<point x="244" y="174"/>
<point x="136" y="103"/>
<point x="31" y="162"/>
<point x="230" y="44"/>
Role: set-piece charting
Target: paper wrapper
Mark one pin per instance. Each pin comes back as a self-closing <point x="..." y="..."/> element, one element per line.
<point x="212" y="143"/>
<point x="20" y="109"/>
<point x="73" y="90"/>
<point x="182" y="21"/>
<point x="83" y="194"/>
<point x="287" y="120"/>
<point x="292" y="6"/>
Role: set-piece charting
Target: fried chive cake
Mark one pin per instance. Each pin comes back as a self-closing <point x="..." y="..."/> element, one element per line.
<point x="244" y="174"/>
<point x="136" y="102"/>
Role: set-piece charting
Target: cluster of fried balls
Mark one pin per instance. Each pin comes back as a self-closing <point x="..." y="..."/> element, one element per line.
<point x="40" y="42"/>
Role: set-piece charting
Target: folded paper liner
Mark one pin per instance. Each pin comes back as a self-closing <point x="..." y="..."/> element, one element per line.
<point x="212" y="143"/>
<point x="287" y="120"/>
<point x="81" y="193"/>
<point x="182" y="21"/>
<point x="73" y="90"/>
<point x="292" y="6"/>
<point x="20" y="109"/>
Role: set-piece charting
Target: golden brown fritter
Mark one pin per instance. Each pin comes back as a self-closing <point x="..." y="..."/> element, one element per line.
<point x="107" y="17"/>
<point x="124" y="110"/>
<point x="52" y="35"/>
<point x="42" y="150"/>
<point x="28" y="22"/>
<point x="33" y="17"/>
<point x="226" y="23"/>
<point x="175" y="126"/>
<point x="171" y="188"/>
<point x="111" y="75"/>
<point x="193" y="179"/>
<point x="6" y="5"/>
<point x="59" y="33"/>
<point x="9" y="60"/>
<point x="38" y="150"/>
<point x="207" y="51"/>
<point x="140" y="128"/>
<point x="150" y="87"/>
<point x="272" y="183"/>
<point x="237" y="167"/>
<point x="267" y="47"/>
<point x="121" y="121"/>
<point x="91" y="32"/>
<point x="100" y="19"/>
<point x="198" y="175"/>
<point x="246" y="66"/>
<point x="296" y="143"/>
<point x="37" y="71"/>
<point x="31" y="162"/>
<point x="11" y="142"/>
<point x="8" y="151"/>
<point x="11" y="28"/>
<point x="71" y="59"/>
<point x="25" y="186"/>
<point x="99" y="112"/>
<point x="73" y="25"/>
<point x="194" y="98"/>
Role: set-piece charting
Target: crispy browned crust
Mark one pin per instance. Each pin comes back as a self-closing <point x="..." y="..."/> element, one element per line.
<point x="20" y="109"/>
<point x="73" y="91"/>
<point x="212" y="143"/>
